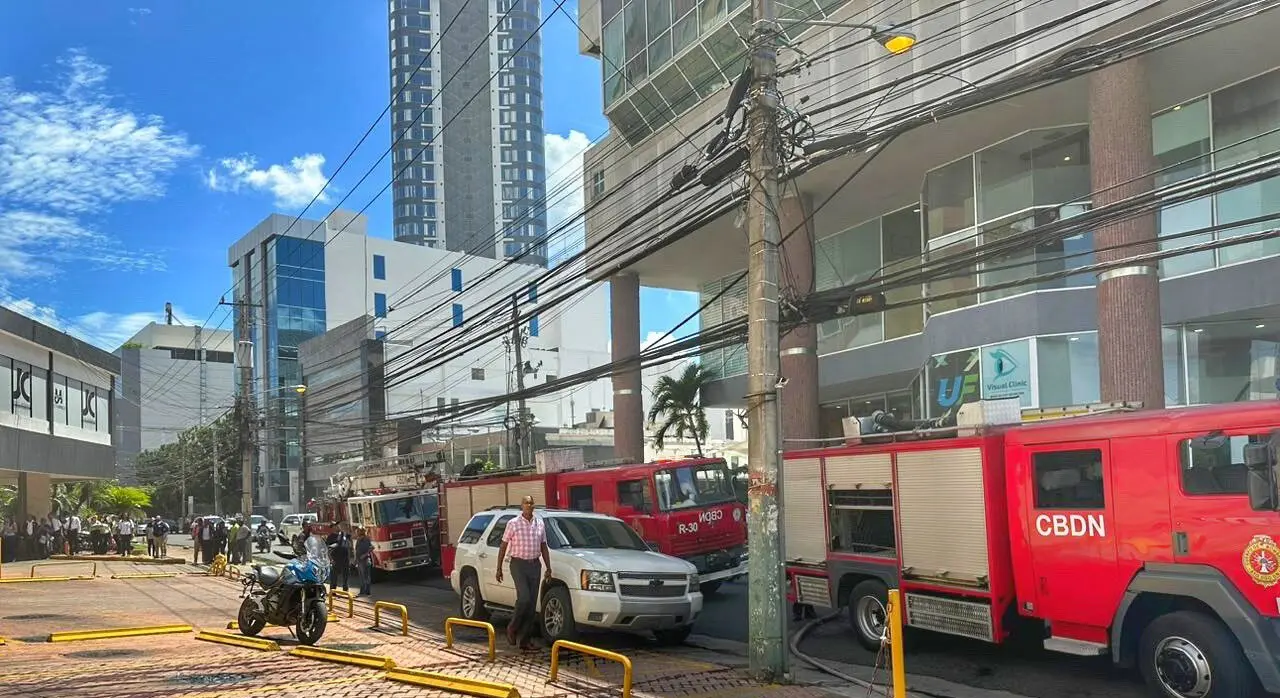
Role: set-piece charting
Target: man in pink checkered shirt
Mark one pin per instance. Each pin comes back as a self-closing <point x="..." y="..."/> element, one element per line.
<point x="526" y="539"/>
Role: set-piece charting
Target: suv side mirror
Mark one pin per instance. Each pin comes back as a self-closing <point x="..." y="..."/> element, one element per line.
<point x="1261" y="463"/>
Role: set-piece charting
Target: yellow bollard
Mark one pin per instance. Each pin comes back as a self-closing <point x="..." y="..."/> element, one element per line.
<point x="895" y="645"/>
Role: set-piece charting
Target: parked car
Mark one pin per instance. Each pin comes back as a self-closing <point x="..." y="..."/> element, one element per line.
<point x="603" y="576"/>
<point x="291" y="525"/>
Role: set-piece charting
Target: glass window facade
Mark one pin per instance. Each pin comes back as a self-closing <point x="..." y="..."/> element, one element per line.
<point x="295" y="311"/>
<point x="1241" y="115"/>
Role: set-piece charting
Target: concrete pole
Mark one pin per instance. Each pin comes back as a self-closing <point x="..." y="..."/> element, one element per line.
<point x="1129" y="332"/>
<point x="245" y="411"/>
<point x="799" y="347"/>
<point x="517" y="343"/>
<point x="766" y="648"/>
<point x="628" y="403"/>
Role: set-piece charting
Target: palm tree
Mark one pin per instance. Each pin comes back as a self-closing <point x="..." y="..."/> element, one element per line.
<point x="677" y="407"/>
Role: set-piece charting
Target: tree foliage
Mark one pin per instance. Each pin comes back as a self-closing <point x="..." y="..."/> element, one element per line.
<point x="122" y="500"/>
<point x="189" y="462"/>
<point x="677" y="407"/>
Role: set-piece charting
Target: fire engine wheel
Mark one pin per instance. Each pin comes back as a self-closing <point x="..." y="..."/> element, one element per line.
<point x="470" y="603"/>
<point x="868" y="615"/>
<point x="1187" y="654"/>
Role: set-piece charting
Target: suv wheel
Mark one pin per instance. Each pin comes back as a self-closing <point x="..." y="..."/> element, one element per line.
<point x="672" y="637"/>
<point x="557" y="616"/>
<point x="470" y="603"/>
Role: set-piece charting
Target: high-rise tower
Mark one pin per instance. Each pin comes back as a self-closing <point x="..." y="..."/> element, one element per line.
<point x="469" y="166"/>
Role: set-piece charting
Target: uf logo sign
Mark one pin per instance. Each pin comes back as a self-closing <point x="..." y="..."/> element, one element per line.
<point x="952" y="391"/>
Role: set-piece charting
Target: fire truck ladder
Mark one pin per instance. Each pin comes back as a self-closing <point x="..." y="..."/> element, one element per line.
<point x="1040" y="414"/>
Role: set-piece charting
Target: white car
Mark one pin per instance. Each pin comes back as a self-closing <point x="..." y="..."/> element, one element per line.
<point x="603" y="576"/>
<point x="258" y="519"/>
<point x="291" y="525"/>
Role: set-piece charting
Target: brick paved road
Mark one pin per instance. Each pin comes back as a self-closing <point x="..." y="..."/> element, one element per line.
<point x="178" y="665"/>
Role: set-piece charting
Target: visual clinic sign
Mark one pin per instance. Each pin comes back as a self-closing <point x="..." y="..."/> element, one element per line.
<point x="1006" y="371"/>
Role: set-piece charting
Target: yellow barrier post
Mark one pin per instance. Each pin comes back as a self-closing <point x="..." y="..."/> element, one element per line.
<point x="361" y="659"/>
<point x="53" y="564"/>
<point x="351" y="604"/>
<point x="594" y="651"/>
<point x="487" y="627"/>
<point x="404" y="615"/>
<point x="896" y="653"/>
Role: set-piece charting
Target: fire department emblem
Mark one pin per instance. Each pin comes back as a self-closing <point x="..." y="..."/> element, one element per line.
<point x="1262" y="560"/>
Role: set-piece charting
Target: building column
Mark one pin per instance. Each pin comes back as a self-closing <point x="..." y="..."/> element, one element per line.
<point x="799" y="346"/>
<point x="1121" y="159"/>
<point x="35" y="495"/>
<point x="628" y="404"/>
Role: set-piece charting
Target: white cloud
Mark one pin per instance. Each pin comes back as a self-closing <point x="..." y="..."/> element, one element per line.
<point x="564" y="155"/>
<point x="293" y="186"/>
<point x="68" y="155"/>
<point x="103" y="329"/>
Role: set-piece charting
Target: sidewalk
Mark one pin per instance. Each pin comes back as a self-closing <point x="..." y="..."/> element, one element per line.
<point x="179" y="665"/>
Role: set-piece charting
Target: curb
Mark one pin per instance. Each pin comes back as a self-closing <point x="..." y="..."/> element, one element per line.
<point x="920" y="686"/>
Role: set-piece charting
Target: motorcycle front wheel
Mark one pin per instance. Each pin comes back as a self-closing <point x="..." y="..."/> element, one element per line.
<point x="311" y="625"/>
<point x="250" y="621"/>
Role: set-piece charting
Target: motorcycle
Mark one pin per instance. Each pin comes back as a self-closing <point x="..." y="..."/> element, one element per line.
<point x="263" y="539"/>
<point x="292" y="596"/>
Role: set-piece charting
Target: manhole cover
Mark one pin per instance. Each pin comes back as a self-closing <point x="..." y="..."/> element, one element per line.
<point x="36" y="616"/>
<point x="102" y="654"/>
<point x="211" y="679"/>
<point x="350" y="647"/>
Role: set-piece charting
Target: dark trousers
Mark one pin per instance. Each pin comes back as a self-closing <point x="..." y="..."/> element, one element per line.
<point x="341" y="571"/>
<point x="207" y="549"/>
<point x="526" y="575"/>
<point x="126" y="544"/>
<point x="73" y="538"/>
<point x="366" y="575"/>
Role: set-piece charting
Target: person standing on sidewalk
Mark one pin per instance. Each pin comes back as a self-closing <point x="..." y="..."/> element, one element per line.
<point x="73" y="533"/>
<point x="55" y="527"/>
<point x="161" y="530"/>
<point x="339" y="543"/>
<point x="364" y="561"/>
<point x="243" y="536"/>
<point x="526" y="540"/>
<point x="125" y="530"/>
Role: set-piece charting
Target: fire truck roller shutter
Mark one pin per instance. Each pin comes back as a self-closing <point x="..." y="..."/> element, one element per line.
<point x="517" y="491"/>
<point x="873" y="471"/>
<point x="804" y="511"/>
<point x="942" y="513"/>
<point x="458" y="511"/>
<point x="488" y="496"/>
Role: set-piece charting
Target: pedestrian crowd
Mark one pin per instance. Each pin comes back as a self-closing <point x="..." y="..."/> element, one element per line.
<point x="212" y="536"/>
<point x="39" y="538"/>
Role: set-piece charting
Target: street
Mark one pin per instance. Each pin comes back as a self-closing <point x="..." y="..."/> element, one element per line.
<point x="1028" y="671"/>
<point x="1020" y="669"/>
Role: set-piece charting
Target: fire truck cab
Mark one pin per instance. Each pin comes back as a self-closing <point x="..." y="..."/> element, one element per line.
<point x="396" y="501"/>
<point x="684" y="508"/>
<point x="1146" y="536"/>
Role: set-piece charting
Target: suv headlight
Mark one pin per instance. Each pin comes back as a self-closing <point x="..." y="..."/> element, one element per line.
<point x="693" y="582"/>
<point x="592" y="580"/>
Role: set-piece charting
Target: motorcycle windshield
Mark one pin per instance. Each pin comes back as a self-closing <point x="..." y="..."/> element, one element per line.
<point x="313" y="566"/>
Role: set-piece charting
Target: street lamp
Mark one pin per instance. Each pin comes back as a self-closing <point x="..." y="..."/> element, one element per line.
<point x="893" y="40"/>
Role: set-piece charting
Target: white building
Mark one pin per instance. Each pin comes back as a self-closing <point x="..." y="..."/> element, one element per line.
<point x="320" y="275"/>
<point x="173" y="377"/>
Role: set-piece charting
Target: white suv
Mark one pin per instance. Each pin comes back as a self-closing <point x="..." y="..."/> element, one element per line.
<point x="603" y="576"/>
<point x="291" y="525"/>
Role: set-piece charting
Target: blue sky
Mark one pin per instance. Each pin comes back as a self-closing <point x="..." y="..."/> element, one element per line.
<point x="113" y="115"/>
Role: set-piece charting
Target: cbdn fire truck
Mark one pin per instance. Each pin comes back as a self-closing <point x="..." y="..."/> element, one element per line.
<point x="1150" y="537"/>
<point x="395" y="499"/>
<point x="683" y="508"/>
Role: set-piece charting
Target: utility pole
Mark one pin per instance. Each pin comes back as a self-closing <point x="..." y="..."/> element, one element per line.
<point x="517" y="341"/>
<point x="244" y="399"/>
<point x="217" y="473"/>
<point x="766" y="648"/>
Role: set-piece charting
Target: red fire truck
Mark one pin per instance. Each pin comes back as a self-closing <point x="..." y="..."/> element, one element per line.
<point x="1146" y="536"/>
<point x="396" y="500"/>
<point x="684" y="508"/>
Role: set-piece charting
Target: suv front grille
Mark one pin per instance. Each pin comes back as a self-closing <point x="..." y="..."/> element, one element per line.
<point x="652" y="585"/>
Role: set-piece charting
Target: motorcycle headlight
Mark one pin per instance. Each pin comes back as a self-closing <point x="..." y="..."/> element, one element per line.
<point x="592" y="580"/>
